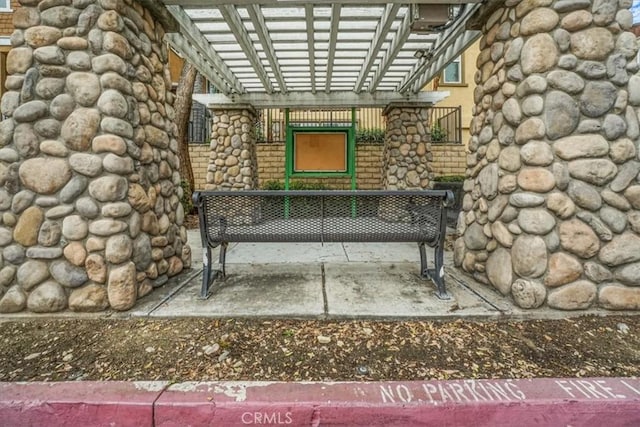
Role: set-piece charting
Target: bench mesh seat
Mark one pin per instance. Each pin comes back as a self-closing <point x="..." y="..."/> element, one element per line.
<point x="335" y="230"/>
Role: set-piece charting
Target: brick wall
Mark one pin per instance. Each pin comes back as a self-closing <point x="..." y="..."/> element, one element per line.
<point x="6" y="29"/>
<point x="199" y="161"/>
<point x="449" y="159"/>
<point x="369" y="166"/>
<point x="270" y="162"/>
<point x="6" y="19"/>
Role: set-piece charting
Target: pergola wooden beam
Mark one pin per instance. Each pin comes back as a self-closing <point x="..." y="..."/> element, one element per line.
<point x="335" y="99"/>
<point x="263" y="35"/>
<point x="390" y="12"/>
<point x="234" y="21"/>
<point x="447" y="46"/>
<point x="396" y="45"/>
<point x="271" y="46"/>
<point x="199" y="44"/>
<point x="461" y="43"/>
<point x="333" y="37"/>
<point x="203" y="66"/>
<point x="308" y="14"/>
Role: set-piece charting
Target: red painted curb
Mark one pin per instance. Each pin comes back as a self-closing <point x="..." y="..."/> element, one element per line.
<point x="538" y="402"/>
<point x="86" y="404"/>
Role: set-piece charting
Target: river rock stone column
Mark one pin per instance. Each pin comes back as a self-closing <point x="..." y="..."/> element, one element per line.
<point x="407" y="157"/>
<point x="551" y="207"/>
<point x="90" y="204"/>
<point x="233" y="162"/>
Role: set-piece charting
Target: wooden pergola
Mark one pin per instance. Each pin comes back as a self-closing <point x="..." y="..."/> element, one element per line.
<point x="274" y="53"/>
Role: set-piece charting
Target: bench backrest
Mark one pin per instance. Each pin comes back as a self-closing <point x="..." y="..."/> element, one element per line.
<point x="322" y="216"/>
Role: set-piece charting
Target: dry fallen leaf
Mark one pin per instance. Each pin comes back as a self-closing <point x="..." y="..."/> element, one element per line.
<point x="290" y="350"/>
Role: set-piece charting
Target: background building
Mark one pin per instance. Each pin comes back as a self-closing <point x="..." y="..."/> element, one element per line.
<point x="7" y="7"/>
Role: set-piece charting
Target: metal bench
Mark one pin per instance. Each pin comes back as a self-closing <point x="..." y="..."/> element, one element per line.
<point x="324" y="216"/>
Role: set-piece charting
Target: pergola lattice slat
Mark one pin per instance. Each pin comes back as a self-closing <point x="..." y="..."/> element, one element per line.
<point x="298" y="3"/>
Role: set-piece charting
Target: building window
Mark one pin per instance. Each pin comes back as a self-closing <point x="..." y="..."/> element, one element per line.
<point x="452" y="73"/>
<point x="5" y="5"/>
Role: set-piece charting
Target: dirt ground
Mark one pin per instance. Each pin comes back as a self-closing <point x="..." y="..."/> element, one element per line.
<point x="294" y="350"/>
<point x="307" y="350"/>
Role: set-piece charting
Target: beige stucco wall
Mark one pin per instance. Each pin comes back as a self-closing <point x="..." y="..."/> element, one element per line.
<point x="461" y="94"/>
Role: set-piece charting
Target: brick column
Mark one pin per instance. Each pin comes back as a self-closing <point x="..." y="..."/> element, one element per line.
<point x="407" y="151"/>
<point x="550" y="215"/>
<point x="233" y="160"/>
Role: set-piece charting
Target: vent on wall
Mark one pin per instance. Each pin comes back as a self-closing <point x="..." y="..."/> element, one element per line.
<point x="428" y="17"/>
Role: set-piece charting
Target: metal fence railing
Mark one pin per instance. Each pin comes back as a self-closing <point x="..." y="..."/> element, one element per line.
<point x="370" y="123"/>
<point x="446" y="125"/>
<point x="199" y="129"/>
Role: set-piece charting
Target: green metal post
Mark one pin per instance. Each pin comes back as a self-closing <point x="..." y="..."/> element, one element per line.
<point x="352" y="148"/>
<point x="288" y="148"/>
<point x="351" y="141"/>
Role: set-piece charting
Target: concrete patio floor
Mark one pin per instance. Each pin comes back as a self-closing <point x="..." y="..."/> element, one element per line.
<point x="331" y="280"/>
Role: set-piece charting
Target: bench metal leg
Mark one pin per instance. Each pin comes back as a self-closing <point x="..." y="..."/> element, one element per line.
<point x="438" y="275"/>
<point x="223" y="256"/>
<point x="435" y="274"/>
<point x="208" y="274"/>
<point x="424" y="268"/>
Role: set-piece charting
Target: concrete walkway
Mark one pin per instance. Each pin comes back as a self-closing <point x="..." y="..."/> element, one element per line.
<point x="331" y="280"/>
<point x="312" y="280"/>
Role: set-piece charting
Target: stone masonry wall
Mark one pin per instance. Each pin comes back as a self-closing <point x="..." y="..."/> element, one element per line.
<point x="90" y="198"/>
<point x="232" y="157"/>
<point x="448" y="159"/>
<point x="407" y="158"/>
<point x="551" y="210"/>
